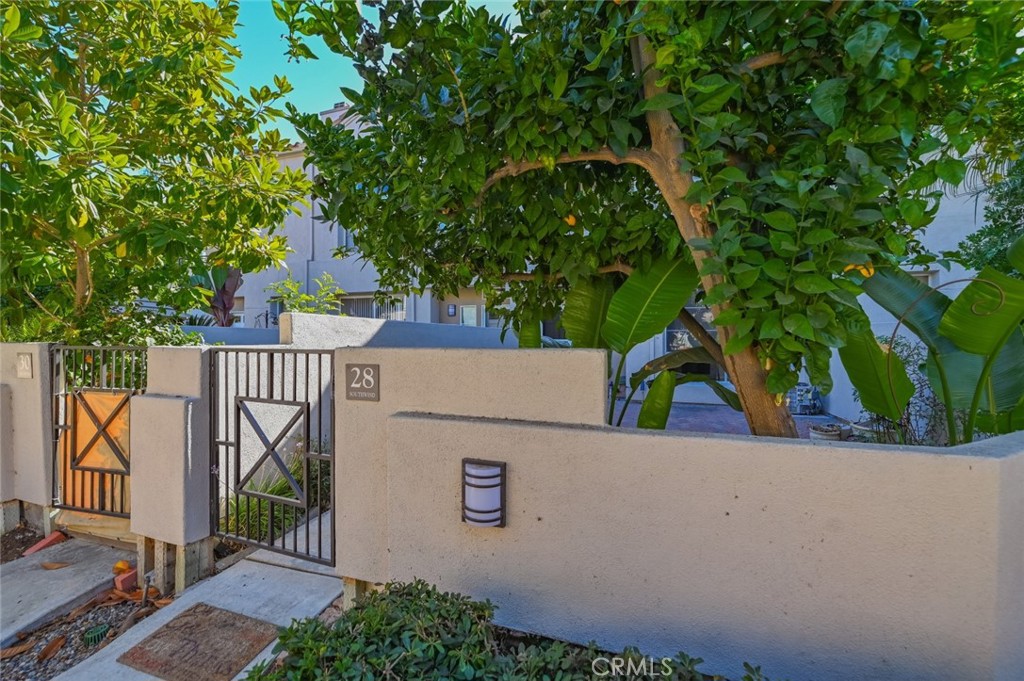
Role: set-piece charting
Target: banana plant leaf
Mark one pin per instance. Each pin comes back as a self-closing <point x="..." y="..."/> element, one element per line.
<point x="728" y="396"/>
<point x="1015" y="254"/>
<point x="586" y="306"/>
<point x="1003" y="422"/>
<point x="919" y="306"/>
<point x="657" y="405"/>
<point x="647" y="302"/>
<point x="985" y="314"/>
<point x="1005" y="384"/>
<point x="671" y="360"/>
<point x="529" y="335"/>
<point x="879" y="376"/>
<point x="952" y="372"/>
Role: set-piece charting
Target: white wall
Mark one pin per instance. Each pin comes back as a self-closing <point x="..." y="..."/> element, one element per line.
<point x="26" y="447"/>
<point x="822" y="562"/>
<point x="818" y="563"/>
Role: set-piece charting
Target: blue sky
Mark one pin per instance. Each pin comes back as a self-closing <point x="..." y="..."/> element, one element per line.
<point x="316" y="82"/>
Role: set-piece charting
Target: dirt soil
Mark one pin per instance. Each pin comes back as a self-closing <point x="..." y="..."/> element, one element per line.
<point x="13" y="543"/>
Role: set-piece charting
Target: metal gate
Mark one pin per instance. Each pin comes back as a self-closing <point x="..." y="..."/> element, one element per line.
<point x="271" y="449"/>
<point x="92" y="388"/>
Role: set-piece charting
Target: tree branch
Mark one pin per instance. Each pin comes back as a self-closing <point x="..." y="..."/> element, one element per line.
<point x="42" y="307"/>
<point x="761" y="61"/>
<point x="620" y="267"/>
<point x="702" y="335"/>
<point x="640" y="157"/>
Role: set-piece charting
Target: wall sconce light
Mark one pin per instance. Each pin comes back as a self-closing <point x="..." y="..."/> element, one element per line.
<point x="483" y="493"/>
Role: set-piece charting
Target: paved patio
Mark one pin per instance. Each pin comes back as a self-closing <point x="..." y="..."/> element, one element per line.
<point x="714" y="418"/>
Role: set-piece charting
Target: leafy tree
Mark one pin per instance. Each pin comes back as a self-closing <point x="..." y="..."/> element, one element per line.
<point x="1004" y="224"/>
<point x="128" y="163"/>
<point x="324" y="301"/>
<point x="772" y="143"/>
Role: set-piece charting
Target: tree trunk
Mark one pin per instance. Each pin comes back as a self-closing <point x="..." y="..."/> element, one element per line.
<point x="765" y="414"/>
<point x="83" y="279"/>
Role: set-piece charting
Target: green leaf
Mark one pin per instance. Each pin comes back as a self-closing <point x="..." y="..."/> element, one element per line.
<point x="879" y="376"/>
<point x="985" y="314"/>
<point x="25" y="33"/>
<point x="12" y="19"/>
<point x="813" y="283"/>
<point x="951" y="171"/>
<point x="586" y="306"/>
<point x="781" y="220"/>
<point x="1015" y="254"/>
<point x="657" y="405"/>
<point x="663" y="100"/>
<point x="557" y="86"/>
<point x="949" y="368"/>
<point x="671" y="360"/>
<point x="829" y="101"/>
<point x="529" y="335"/>
<point x="647" y="302"/>
<point x="798" y="325"/>
<point x="1002" y="422"/>
<point x="865" y="42"/>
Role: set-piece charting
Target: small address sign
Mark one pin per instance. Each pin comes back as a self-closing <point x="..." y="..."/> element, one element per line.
<point x="362" y="382"/>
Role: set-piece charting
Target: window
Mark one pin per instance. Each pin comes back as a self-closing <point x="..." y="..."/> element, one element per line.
<point x="367" y="307"/>
<point x="926" y="277"/>
<point x="276" y="308"/>
<point x="678" y="338"/>
<point x="238" y="311"/>
<point x="467" y="315"/>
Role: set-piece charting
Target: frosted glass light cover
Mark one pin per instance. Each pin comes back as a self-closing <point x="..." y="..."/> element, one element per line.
<point x="482" y="500"/>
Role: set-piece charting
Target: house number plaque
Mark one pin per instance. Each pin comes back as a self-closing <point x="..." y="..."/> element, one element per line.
<point x="362" y="382"/>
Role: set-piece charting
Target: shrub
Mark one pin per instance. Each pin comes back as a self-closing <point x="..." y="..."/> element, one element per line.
<point x="413" y="631"/>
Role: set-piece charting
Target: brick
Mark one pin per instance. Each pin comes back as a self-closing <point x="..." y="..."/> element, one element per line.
<point x="49" y="540"/>
<point x="127" y="581"/>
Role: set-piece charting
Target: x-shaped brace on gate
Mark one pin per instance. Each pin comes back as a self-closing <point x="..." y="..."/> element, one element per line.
<point x="270" y="451"/>
<point x="101" y="431"/>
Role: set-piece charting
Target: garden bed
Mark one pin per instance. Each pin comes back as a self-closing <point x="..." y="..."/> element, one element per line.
<point x="413" y="631"/>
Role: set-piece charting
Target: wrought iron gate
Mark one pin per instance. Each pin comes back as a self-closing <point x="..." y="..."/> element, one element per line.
<point x="271" y="449"/>
<point x="92" y="388"/>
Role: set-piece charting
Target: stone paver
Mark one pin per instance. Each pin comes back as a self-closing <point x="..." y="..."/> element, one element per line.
<point x="31" y="595"/>
<point x="713" y="418"/>
<point x="268" y="592"/>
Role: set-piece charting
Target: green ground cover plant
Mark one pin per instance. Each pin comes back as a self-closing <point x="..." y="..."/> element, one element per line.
<point x="414" y="631"/>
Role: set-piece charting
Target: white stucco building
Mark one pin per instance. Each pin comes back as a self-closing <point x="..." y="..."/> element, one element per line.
<point x="313" y="244"/>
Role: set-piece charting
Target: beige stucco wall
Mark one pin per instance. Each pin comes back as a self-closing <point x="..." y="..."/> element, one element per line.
<point x="542" y="385"/>
<point x="170" y="445"/>
<point x="26" y="462"/>
<point x="817" y="562"/>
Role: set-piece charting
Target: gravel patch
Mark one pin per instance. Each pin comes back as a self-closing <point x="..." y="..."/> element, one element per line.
<point x="13" y="543"/>
<point x="27" y="667"/>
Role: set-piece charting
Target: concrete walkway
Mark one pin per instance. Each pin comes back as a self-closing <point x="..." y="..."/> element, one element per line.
<point x="31" y="595"/>
<point x="272" y="593"/>
<point x="320" y="540"/>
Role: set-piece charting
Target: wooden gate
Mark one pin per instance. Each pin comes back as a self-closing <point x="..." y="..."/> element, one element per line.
<point x="92" y="387"/>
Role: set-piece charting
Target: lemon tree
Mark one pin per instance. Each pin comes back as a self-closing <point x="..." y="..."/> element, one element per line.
<point x="772" y="144"/>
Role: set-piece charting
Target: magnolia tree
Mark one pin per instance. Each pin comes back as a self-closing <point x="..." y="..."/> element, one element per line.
<point x="129" y="164"/>
<point x="773" y="145"/>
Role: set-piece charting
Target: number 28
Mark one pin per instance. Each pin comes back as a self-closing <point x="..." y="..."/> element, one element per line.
<point x="362" y="378"/>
